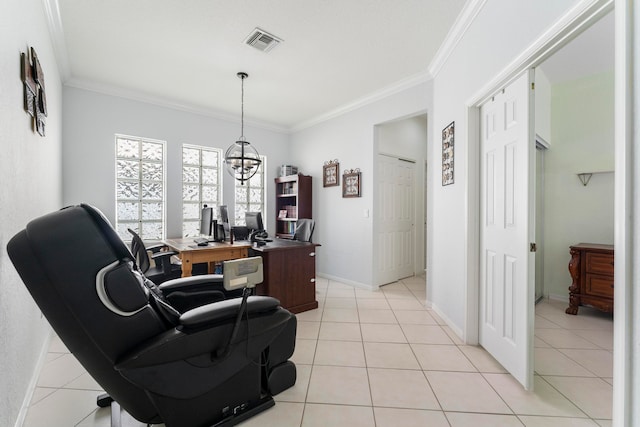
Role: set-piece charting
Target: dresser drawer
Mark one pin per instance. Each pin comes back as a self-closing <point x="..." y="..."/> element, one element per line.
<point x="599" y="285"/>
<point x="599" y="263"/>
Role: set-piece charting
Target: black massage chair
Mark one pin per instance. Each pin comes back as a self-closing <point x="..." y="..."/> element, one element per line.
<point x="215" y="364"/>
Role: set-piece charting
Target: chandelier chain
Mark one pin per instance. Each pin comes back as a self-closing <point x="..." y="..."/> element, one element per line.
<point x="242" y="109"/>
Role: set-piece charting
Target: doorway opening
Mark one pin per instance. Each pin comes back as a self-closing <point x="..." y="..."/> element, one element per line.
<point x="399" y="199"/>
<point x="542" y="52"/>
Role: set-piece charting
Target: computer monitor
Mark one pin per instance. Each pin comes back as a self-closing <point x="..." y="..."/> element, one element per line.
<point x="253" y="221"/>
<point x="206" y="221"/>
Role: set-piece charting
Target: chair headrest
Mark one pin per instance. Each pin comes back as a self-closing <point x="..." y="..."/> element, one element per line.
<point x="120" y="249"/>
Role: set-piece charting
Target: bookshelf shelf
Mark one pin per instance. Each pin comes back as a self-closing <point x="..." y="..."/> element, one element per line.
<point x="293" y="196"/>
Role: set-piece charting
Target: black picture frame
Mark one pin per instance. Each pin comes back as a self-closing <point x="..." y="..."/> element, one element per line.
<point x="448" y="142"/>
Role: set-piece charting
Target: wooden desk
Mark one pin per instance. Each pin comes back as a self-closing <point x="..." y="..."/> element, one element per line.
<point x="190" y="253"/>
<point x="289" y="273"/>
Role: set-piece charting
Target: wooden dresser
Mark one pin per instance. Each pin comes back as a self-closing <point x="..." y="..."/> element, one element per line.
<point x="591" y="268"/>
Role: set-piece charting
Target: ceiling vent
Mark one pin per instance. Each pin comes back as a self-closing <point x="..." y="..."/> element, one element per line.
<point x="262" y="40"/>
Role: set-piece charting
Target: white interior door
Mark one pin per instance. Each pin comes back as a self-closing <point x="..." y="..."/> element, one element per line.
<point x="395" y="219"/>
<point x="506" y="263"/>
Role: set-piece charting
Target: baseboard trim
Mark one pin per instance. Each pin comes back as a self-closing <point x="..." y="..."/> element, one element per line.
<point x="559" y="297"/>
<point x="454" y="328"/>
<point x="348" y="282"/>
<point x="34" y="380"/>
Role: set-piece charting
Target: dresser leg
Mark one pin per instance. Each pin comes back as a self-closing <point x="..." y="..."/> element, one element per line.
<point x="574" y="303"/>
<point x="574" y="271"/>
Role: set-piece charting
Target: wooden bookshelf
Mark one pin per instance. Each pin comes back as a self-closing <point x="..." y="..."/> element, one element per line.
<point x="293" y="199"/>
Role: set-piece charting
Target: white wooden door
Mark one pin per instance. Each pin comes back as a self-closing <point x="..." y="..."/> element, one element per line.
<point x="506" y="263"/>
<point x="395" y="219"/>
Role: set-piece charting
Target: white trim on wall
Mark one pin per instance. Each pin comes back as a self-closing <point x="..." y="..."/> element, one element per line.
<point x="626" y="361"/>
<point x="33" y="383"/>
<point x="134" y="95"/>
<point x="457" y="31"/>
<point x="571" y="24"/>
<point x="348" y="282"/>
<point x="397" y="87"/>
<point x="54" y="21"/>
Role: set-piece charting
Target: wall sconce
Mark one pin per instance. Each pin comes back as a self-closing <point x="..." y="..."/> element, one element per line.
<point x="585" y="177"/>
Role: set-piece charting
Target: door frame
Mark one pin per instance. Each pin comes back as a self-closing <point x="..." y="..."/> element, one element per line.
<point x="418" y="208"/>
<point x="541" y="146"/>
<point x="562" y="32"/>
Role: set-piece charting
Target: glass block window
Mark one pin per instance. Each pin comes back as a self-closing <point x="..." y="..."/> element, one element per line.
<point x="250" y="196"/>
<point x="140" y="187"/>
<point x="201" y="185"/>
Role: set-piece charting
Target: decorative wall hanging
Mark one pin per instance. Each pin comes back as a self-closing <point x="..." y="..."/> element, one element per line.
<point x="331" y="173"/>
<point x="35" y="97"/>
<point x="447" y="154"/>
<point x="351" y="183"/>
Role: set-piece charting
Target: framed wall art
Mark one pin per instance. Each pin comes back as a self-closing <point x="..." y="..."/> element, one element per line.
<point x="331" y="173"/>
<point x="35" y="98"/>
<point x="447" y="154"/>
<point x="351" y="183"/>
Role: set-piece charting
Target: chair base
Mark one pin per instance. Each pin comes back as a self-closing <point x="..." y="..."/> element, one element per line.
<point x="239" y="414"/>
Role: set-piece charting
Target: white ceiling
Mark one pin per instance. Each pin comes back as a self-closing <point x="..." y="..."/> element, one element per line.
<point x="335" y="53"/>
<point x="187" y="53"/>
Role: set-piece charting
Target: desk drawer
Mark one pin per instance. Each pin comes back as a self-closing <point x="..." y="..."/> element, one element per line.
<point x="599" y="285"/>
<point x="599" y="263"/>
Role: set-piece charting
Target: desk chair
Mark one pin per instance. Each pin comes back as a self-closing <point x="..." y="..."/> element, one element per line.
<point x="185" y="293"/>
<point x="163" y="268"/>
<point x="202" y="367"/>
<point x="240" y="232"/>
<point x="304" y="229"/>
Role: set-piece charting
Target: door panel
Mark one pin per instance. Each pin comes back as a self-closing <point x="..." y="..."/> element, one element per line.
<point x="506" y="287"/>
<point x="395" y="223"/>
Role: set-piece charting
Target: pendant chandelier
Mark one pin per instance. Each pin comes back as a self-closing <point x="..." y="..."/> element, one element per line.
<point x="241" y="158"/>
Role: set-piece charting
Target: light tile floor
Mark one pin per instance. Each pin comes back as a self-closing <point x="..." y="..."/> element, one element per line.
<point x="381" y="359"/>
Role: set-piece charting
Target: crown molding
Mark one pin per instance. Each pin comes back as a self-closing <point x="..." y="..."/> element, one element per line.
<point x="578" y="18"/>
<point x="134" y="95"/>
<point x="462" y="23"/>
<point x="455" y="34"/>
<point x="54" y="22"/>
<point x="397" y="87"/>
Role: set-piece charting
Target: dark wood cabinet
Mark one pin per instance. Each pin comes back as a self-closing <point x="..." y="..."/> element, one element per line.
<point x="591" y="270"/>
<point x="289" y="273"/>
<point x="293" y="199"/>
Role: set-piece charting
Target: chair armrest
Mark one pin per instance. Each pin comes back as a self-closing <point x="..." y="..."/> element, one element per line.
<point x="190" y="292"/>
<point x="163" y="254"/>
<point x="228" y="309"/>
<point x="185" y="283"/>
<point x="155" y="248"/>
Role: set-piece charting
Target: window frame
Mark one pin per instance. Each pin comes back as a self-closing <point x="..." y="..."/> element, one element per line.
<point x="240" y="221"/>
<point x="220" y="186"/>
<point x="138" y="225"/>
